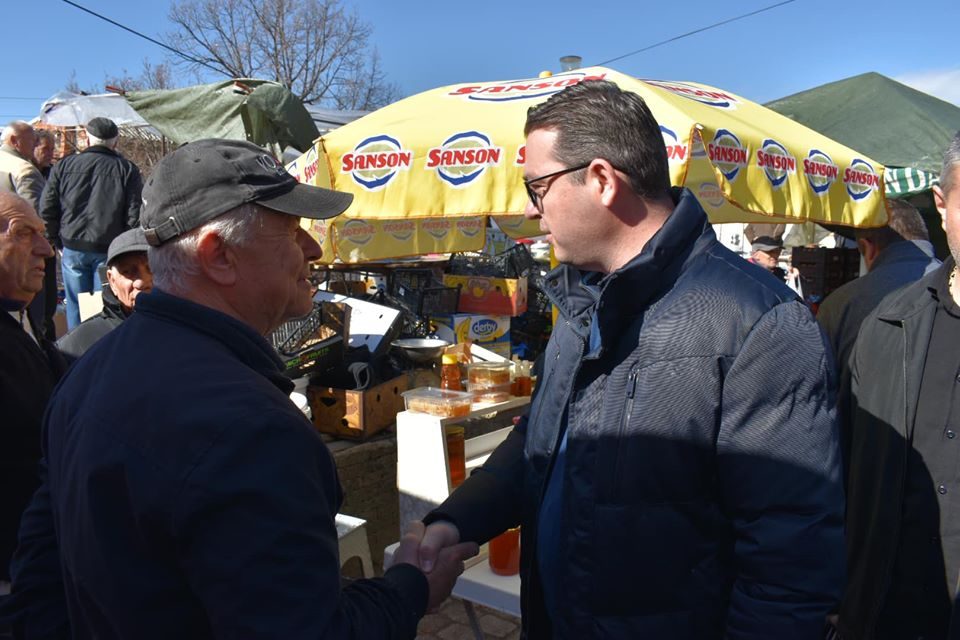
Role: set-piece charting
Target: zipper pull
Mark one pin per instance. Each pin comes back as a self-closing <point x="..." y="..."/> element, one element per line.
<point x="632" y="383"/>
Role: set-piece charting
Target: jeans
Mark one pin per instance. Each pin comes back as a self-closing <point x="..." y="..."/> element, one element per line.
<point x="79" y="275"/>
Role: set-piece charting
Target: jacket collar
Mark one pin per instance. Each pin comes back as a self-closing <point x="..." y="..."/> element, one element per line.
<point x="642" y="279"/>
<point x="12" y="151"/>
<point x="906" y="303"/>
<point x="99" y="148"/>
<point x="249" y="346"/>
<point x="904" y="251"/>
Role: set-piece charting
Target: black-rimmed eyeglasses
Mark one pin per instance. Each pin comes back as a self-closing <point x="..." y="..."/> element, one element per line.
<point x="536" y="198"/>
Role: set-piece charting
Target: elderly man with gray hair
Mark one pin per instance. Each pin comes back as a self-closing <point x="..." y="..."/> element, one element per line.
<point x="90" y="199"/>
<point x="187" y="496"/>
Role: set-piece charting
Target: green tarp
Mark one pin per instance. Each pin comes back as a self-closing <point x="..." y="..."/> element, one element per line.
<point x="882" y="118"/>
<point x="265" y="113"/>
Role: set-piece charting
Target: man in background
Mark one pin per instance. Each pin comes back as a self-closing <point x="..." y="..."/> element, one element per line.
<point x="128" y="275"/>
<point x="90" y="199"/>
<point x="894" y="255"/>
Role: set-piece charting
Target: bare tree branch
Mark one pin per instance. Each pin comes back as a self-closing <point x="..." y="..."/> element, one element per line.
<point x="318" y="49"/>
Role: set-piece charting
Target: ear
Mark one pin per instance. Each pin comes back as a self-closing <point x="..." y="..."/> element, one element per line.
<point x="868" y="250"/>
<point x="607" y="183"/>
<point x="110" y="281"/>
<point x="941" y="203"/>
<point x="216" y="259"/>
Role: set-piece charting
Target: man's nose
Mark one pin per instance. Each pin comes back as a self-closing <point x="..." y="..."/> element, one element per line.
<point x="43" y="247"/>
<point x="311" y="248"/>
<point x="530" y="212"/>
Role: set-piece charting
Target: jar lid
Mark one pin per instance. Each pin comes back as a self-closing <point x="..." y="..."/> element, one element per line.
<point x="449" y="358"/>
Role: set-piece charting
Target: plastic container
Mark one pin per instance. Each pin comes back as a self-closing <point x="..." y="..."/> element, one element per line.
<point x="489" y="373"/>
<point x="484" y="392"/>
<point x="505" y="553"/>
<point x="450" y="373"/>
<point x="456" y="456"/>
<point x="438" y="402"/>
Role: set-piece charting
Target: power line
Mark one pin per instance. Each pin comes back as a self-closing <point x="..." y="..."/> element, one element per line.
<point x="18" y="98"/>
<point x="146" y="37"/>
<point x="689" y="33"/>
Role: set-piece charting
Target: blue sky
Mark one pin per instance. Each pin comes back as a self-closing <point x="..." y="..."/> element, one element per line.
<point x="425" y="44"/>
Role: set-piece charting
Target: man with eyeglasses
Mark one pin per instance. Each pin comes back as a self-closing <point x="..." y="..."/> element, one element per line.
<point x="678" y="474"/>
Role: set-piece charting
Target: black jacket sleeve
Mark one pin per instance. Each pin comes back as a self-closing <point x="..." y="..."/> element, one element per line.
<point x="258" y="543"/>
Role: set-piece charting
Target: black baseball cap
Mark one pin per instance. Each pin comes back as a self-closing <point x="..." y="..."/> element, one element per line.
<point x="130" y="241"/>
<point x="103" y="128"/>
<point x="204" y="179"/>
<point x="766" y="243"/>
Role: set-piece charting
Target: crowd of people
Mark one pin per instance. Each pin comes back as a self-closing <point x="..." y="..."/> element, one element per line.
<point x="702" y="458"/>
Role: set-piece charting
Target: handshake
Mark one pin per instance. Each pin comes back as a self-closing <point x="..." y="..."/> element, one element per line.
<point x="437" y="551"/>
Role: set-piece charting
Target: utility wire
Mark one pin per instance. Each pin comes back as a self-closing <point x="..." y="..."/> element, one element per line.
<point x="689" y="33"/>
<point x="146" y="37"/>
<point x="18" y="98"/>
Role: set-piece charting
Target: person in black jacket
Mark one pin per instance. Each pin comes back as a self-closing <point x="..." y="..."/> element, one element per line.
<point x="678" y="475"/>
<point x="903" y="520"/>
<point x="186" y="495"/>
<point x="90" y="199"/>
<point x="128" y="275"/>
<point x="29" y="366"/>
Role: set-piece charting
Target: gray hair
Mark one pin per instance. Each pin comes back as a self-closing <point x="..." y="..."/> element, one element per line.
<point x="951" y="159"/>
<point x="15" y="128"/>
<point x="110" y="143"/>
<point x="175" y="262"/>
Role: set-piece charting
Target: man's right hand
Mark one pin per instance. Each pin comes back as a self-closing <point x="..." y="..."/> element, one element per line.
<point x="438" y="536"/>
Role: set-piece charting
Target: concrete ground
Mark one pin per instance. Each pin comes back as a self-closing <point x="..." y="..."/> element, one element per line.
<point x="450" y="623"/>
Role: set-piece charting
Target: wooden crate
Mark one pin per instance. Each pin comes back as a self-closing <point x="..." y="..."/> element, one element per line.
<point x="356" y="415"/>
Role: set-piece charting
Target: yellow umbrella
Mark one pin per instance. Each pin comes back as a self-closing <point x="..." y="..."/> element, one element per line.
<point x="427" y="170"/>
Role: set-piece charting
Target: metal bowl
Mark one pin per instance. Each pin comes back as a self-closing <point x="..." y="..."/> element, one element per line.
<point x="421" y="349"/>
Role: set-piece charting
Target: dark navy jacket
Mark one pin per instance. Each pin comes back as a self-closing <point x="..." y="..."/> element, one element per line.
<point x="187" y="497"/>
<point x="702" y="494"/>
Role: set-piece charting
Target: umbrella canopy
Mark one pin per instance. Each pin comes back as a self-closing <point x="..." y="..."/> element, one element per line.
<point x="905" y="129"/>
<point x="426" y="170"/>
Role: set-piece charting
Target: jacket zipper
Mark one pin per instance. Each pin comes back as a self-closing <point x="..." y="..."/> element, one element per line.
<point x="622" y="427"/>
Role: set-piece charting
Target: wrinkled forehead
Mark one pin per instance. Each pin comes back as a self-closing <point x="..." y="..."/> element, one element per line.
<point x="13" y="208"/>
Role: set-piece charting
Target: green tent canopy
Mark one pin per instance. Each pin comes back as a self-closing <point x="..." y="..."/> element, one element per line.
<point x="263" y="112"/>
<point x="885" y="120"/>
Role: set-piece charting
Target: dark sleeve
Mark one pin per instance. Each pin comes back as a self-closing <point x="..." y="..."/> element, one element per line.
<point x="134" y="195"/>
<point x="780" y="479"/>
<point x="490" y="501"/>
<point x="258" y="543"/>
<point x="50" y="208"/>
<point x="37" y="606"/>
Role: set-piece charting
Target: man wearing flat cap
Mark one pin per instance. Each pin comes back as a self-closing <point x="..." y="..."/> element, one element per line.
<point x="187" y="497"/>
<point x="128" y="275"/>
<point x="90" y="198"/>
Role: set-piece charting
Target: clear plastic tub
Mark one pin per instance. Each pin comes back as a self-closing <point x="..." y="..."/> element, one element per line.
<point x="489" y="373"/>
<point x="438" y="402"/>
<point x="486" y="392"/>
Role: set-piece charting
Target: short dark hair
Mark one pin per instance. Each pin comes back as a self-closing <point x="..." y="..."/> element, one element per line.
<point x="596" y="119"/>
<point x="951" y="160"/>
<point x="905" y="223"/>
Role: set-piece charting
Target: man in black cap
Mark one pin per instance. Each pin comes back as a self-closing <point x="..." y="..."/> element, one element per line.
<point x="128" y="275"/>
<point x="187" y="496"/>
<point x="90" y="199"/>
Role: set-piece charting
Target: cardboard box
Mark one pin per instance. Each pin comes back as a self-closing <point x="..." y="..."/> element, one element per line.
<point x="493" y="296"/>
<point x="489" y="331"/>
<point x="353" y="414"/>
